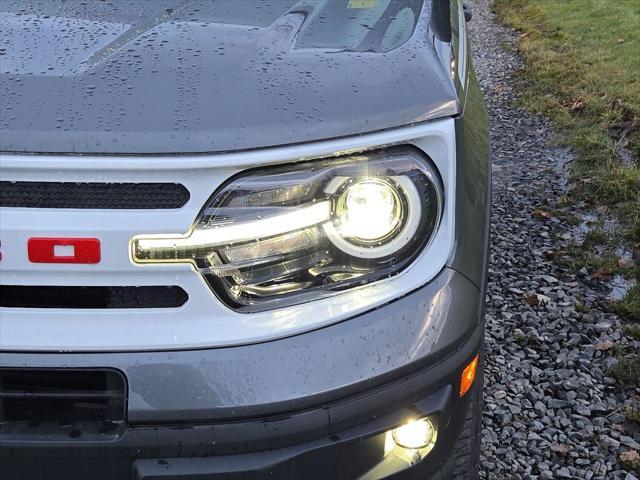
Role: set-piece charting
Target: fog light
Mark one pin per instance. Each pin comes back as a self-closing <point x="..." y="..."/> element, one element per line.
<point x="414" y="435"/>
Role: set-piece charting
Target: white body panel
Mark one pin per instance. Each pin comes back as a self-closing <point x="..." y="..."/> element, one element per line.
<point x="203" y="321"/>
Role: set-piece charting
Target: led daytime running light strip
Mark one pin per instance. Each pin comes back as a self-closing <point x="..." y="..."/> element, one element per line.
<point x="181" y="246"/>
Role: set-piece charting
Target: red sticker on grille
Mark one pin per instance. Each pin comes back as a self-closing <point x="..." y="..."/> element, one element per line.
<point x="64" y="250"/>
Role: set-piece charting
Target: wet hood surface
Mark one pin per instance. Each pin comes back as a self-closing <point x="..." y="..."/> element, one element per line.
<point x="202" y="76"/>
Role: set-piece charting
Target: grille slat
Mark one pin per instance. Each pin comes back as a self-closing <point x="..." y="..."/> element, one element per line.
<point x="31" y="296"/>
<point x="93" y="195"/>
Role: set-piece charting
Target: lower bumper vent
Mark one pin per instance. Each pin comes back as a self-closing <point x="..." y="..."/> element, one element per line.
<point x="48" y="404"/>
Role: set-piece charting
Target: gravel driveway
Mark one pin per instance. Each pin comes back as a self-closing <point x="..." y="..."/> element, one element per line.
<point x="550" y="409"/>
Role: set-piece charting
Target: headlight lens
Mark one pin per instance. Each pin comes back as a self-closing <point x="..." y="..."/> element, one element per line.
<point x="369" y="210"/>
<point x="294" y="233"/>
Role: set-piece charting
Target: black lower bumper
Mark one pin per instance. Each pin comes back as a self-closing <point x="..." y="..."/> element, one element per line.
<point x="340" y="440"/>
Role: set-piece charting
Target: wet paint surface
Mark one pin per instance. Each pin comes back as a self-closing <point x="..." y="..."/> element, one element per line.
<point x="150" y="77"/>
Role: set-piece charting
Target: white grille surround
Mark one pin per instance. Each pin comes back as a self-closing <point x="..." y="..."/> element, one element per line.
<point x="203" y="321"/>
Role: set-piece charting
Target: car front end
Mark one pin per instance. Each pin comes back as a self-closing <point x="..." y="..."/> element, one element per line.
<point x="262" y="256"/>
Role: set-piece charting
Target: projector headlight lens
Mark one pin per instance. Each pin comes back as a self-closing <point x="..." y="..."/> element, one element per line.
<point x="369" y="211"/>
<point x="294" y="233"/>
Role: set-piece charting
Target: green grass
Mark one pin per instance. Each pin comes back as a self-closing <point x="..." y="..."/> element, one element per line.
<point x="582" y="308"/>
<point x="632" y="331"/>
<point x="582" y="71"/>
<point x="630" y="307"/>
<point x="524" y="340"/>
<point x="631" y="411"/>
<point x="576" y="257"/>
<point x="628" y="369"/>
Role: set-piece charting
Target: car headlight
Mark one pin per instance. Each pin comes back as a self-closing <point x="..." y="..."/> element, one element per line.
<point x="294" y="233"/>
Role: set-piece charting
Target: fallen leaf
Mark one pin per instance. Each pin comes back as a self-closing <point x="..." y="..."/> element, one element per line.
<point x="560" y="448"/>
<point x="602" y="273"/>
<point x="534" y="299"/>
<point x="626" y="262"/>
<point x="577" y="105"/>
<point x="631" y="457"/>
<point x="608" y="345"/>
<point x="541" y="214"/>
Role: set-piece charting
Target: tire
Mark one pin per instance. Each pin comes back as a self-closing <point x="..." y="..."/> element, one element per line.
<point x="467" y="447"/>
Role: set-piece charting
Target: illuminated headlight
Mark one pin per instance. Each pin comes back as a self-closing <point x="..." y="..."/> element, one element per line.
<point x="294" y="233"/>
<point x="369" y="210"/>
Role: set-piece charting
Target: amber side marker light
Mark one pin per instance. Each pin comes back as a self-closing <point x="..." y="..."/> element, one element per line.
<point x="468" y="376"/>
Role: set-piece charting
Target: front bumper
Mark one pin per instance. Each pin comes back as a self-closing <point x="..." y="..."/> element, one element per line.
<point x="311" y="406"/>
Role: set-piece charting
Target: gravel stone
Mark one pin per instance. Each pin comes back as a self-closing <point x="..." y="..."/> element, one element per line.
<point x="630" y="442"/>
<point x="551" y="409"/>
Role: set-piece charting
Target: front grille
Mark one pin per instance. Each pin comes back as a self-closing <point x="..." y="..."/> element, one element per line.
<point x="22" y="296"/>
<point x="93" y="195"/>
<point x="37" y="404"/>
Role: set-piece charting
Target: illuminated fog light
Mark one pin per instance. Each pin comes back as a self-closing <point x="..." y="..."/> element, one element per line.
<point x="414" y="435"/>
<point x="369" y="210"/>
